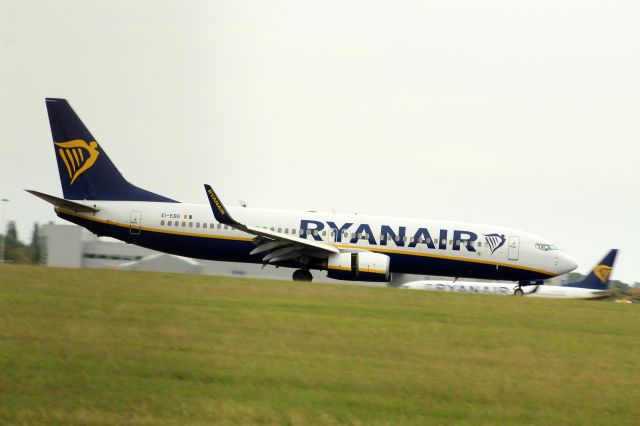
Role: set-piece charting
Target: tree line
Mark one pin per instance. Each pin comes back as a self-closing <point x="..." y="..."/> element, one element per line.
<point x="15" y="251"/>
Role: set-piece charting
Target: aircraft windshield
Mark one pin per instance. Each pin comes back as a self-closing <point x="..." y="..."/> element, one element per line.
<point x="546" y="247"/>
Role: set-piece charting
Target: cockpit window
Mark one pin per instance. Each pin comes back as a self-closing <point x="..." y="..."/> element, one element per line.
<point x="546" y="247"/>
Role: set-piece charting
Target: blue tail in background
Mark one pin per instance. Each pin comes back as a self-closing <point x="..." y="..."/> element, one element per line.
<point x="598" y="279"/>
<point x="86" y="172"/>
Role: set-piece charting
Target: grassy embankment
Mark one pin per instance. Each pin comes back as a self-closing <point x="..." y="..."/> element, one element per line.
<point x="105" y="347"/>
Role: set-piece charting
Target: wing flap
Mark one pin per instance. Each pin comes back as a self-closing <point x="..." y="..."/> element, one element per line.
<point x="291" y="239"/>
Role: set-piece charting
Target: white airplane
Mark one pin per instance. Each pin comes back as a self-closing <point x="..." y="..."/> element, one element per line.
<point x="348" y="247"/>
<point x="593" y="286"/>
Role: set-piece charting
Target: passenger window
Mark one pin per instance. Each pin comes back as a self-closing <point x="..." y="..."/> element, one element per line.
<point x="428" y="240"/>
<point x="279" y="229"/>
<point x="169" y="223"/>
<point x="405" y="238"/>
<point x="190" y="224"/>
<point x="162" y="222"/>
<point x="198" y="224"/>
<point x="219" y="226"/>
<point x="184" y="224"/>
<point x="435" y="241"/>
<point x="315" y="232"/>
<point x="411" y="240"/>
<point x="450" y="242"/>
<point x="286" y="230"/>
<point x="479" y="243"/>
<point x="324" y="233"/>
<point x="226" y="227"/>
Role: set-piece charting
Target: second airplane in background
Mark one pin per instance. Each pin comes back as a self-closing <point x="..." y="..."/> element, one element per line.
<point x="593" y="286"/>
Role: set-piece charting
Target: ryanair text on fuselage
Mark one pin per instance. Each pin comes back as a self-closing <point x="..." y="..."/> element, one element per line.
<point x="398" y="236"/>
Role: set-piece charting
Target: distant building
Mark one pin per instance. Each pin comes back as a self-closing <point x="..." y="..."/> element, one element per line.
<point x="70" y="246"/>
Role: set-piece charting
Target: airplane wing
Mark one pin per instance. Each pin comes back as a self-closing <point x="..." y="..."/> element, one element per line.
<point x="281" y="247"/>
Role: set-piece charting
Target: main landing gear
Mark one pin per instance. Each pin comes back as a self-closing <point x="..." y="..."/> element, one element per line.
<point x="302" y="275"/>
<point x="518" y="292"/>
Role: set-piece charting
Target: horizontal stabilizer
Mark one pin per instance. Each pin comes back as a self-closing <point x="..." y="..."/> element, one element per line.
<point x="61" y="202"/>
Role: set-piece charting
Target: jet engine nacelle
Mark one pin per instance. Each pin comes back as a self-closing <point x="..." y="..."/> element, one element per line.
<point x="359" y="266"/>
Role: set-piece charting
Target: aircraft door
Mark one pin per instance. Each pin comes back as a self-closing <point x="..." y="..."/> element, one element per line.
<point x="134" y="224"/>
<point x="514" y="248"/>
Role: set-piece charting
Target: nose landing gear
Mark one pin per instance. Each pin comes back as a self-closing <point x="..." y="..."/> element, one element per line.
<point x="517" y="291"/>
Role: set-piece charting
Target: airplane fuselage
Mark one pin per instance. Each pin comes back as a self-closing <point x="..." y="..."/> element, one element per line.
<point x="414" y="245"/>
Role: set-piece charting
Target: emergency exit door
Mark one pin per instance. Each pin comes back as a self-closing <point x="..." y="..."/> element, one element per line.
<point x="134" y="223"/>
<point x="514" y="248"/>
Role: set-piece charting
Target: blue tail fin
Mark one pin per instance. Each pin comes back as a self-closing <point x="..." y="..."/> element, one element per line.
<point x="86" y="172"/>
<point x="598" y="279"/>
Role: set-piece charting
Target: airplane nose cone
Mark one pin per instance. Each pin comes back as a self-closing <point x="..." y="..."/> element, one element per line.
<point x="566" y="263"/>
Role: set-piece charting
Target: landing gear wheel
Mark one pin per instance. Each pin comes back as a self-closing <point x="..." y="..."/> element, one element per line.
<point x="302" y="275"/>
<point x="518" y="292"/>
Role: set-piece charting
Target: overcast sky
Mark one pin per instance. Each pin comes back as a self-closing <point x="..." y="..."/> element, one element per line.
<point x="521" y="114"/>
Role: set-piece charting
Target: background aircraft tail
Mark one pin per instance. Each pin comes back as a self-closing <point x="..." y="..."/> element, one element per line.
<point x="598" y="279"/>
<point x="86" y="172"/>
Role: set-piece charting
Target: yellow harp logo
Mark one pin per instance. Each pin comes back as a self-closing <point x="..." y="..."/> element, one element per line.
<point x="602" y="272"/>
<point x="78" y="156"/>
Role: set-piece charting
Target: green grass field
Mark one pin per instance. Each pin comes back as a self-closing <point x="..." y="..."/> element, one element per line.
<point x="100" y="347"/>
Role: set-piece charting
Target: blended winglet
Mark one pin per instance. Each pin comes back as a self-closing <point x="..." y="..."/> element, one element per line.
<point x="220" y="212"/>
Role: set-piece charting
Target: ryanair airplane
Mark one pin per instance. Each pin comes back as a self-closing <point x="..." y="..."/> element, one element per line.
<point x="593" y="286"/>
<point x="349" y="247"/>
